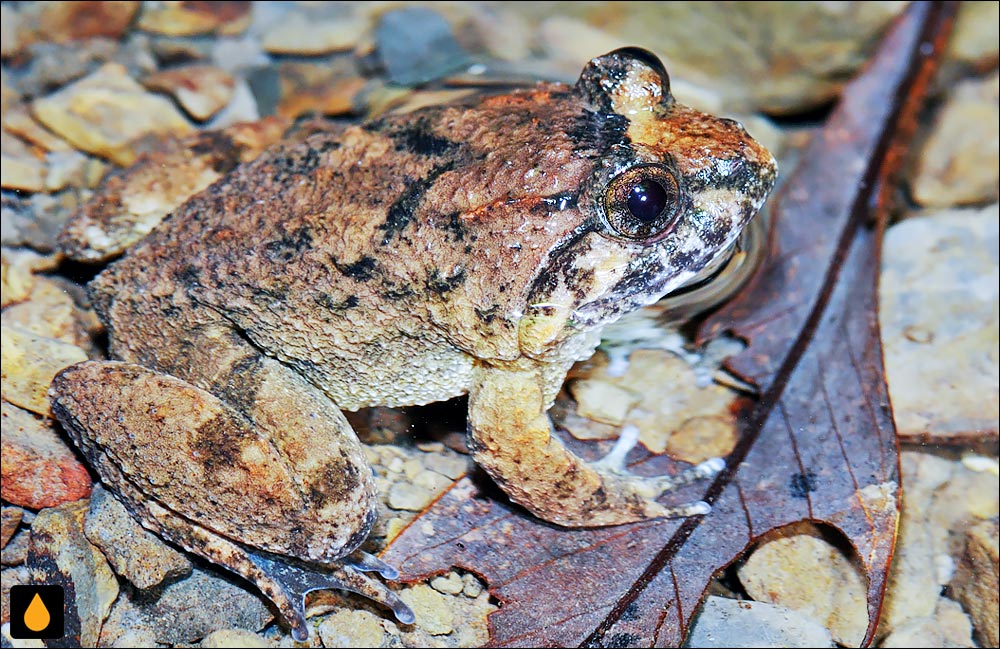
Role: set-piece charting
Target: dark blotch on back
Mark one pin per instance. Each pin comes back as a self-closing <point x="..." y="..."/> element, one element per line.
<point x="290" y="245"/>
<point x="401" y="212"/>
<point x="221" y="444"/>
<point x="441" y="285"/>
<point x="419" y="139"/>
<point x="361" y="270"/>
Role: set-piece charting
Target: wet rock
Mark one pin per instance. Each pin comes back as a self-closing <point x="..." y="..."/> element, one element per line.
<point x="434" y="616"/>
<point x="724" y="622"/>
<point x="29" y="363"/>
<point x="976" y="581"/>
<point x="59" y="553"/>
<point x="133" y="552"/>
<point x="18" y="120"/>
<point x="690" y="421"/>
<point x="201" y="90"/>
<point x="178" y="18"/>
<point x="17" y="277"/>
<point x="16" y="550"/>
<point x="416" y="45"/>
<point x="52" y="65"/>
<point x="328" y="88"/>
<point x="775" y="57"/>
<point x="35" y="220"/>
<point x="10" y="577"/>
<point x="72" y="169"/>
<point x="13" y="35"/>
<point x="959" y="163"/>
<point x="312" y="33"/>
<point x="20" y="168"/>
<point x="974" y="41"/>
<point x="938" y="315"/>
<point x="450" y="465"/>
<point x="948" y="627"/>
<point x="234" y="638"/>
<point x="105" y="112"/>
<point x="403" y="495"/>
<point x="941" y="498"/>
<point x="805" y="573"/>
<point x="10" y="520"/>
<point x="450" y="584"/>
<point x="184" y="612"/>
<point x="38" y="467"/>
<point x="348" y="628"/>
<point x="63" y="22"/>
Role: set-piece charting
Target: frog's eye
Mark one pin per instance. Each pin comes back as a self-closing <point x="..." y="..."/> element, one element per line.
<point x="641" y="203"/>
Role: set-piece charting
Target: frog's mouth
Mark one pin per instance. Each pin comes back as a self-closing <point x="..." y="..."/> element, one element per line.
<point x="722" y="278"/>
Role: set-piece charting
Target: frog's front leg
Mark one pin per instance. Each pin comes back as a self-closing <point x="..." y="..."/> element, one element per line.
<point x="511" y="437"/>
<point x="242" y="462"/>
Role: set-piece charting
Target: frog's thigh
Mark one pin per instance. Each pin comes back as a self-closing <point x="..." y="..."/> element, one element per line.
<point x="193" y="469"/>
<point x="511" y="438"/>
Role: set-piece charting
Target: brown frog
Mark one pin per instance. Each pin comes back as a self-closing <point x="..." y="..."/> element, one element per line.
<point x="475" y="248"/>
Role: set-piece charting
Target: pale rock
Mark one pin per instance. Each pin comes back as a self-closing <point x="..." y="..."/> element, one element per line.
<point x="59" y="553"/>
<point x="947" y="627"/>
<point x="133" y="552"/>
<point x="974" y="40"/>
<point x="976" y="582"/>
<point x="234" y="639"/>
<point x="431" y="609"/>
<point x="201" y="90"/>
<point x="959" y="163"/>
<point x="939" y="300"/>
<point x="724" y="622"/>
<point x="351" y="628"/>
<point x="450" y="584"/>
<point x="300" y="33"/>
<point x="105" y="112"/>
<point x="29" y="363"/>
<point x="805" y="573"/>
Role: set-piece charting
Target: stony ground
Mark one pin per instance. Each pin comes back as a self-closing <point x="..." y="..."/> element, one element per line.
<point x="87" y="87"/>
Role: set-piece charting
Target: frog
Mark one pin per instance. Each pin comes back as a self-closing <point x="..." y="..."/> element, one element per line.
<point x="472" y="248"/>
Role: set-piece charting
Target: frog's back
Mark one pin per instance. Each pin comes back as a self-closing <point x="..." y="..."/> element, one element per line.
<point x="374" y="254"/>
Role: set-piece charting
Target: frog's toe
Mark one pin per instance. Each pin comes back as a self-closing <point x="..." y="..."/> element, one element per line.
<point x="651" y="488"/>
<point x="295" y="580"/>
<point x="361" y="560"/>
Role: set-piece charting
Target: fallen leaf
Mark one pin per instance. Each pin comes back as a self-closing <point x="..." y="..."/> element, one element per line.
<point x="818" y="445"/>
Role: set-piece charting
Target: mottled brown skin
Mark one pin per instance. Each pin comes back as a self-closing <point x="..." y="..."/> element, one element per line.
<point x="456" y="249"/>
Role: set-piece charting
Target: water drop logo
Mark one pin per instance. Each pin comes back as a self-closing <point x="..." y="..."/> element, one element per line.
<point x="36" y="612"/>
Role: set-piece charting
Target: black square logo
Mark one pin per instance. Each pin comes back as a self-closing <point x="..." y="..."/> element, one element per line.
<point x="36" y="612"/>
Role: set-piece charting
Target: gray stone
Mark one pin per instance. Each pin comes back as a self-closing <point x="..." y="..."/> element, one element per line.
<point x="416" y="45"/>
<point x="133" y="552"/>
<point x="724" y="622"/>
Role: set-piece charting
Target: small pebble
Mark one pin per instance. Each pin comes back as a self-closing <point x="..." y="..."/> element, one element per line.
<point x="432" y="609"/>
<point x="353" y="628"/>
<point x="450" y="584"/>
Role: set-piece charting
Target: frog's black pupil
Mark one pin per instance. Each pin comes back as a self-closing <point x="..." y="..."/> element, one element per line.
<point x="647" y="200"/>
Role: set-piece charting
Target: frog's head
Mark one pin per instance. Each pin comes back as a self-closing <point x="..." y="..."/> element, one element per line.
<point x="671" y="190"/>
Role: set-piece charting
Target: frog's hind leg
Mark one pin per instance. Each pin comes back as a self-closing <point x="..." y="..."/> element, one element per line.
<point x="283" y="581"/>
<point x="511" y="438"/>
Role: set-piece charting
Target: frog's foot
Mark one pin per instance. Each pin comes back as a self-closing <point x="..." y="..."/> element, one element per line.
<point x="288" y="582"/>
<point x="512" y="439"/>
<point x="614" y="464"/>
